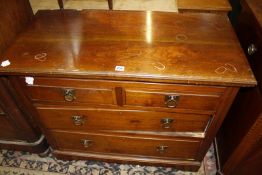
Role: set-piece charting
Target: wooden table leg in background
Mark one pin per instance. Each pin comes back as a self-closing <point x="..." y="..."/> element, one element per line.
<point x="61" y="4"/>
<point x="110" y="4"/>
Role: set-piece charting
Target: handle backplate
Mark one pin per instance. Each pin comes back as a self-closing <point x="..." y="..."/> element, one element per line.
<point x="69" y="95"/>
<point x="166" y="122"/>
<point x="171" y="100"/>
<point x="86" y="143"/>
<point x="252" y="49"/>
<point x="78" y="120"/>
<point x="162" y="149"/>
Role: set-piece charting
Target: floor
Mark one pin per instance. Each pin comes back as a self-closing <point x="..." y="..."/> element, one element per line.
<point x="153" y="5"/>
<point x="23" y="163"/>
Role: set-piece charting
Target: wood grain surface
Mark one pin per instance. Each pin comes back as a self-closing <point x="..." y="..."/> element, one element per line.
<point x="204" y="6"/>
<point x="127" y="145"/>
<point x="151" y="46"/>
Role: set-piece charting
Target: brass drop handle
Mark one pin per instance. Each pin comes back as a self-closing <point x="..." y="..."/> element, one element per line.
<point x="162" y="149"/>
<point x="171" y="100"/>
<point x="78" y="120"/>
<point x="86" y="143"/>
<point x="252" y="49"/>
<point x="69" y="95"/>
<point x="166" y="122"/>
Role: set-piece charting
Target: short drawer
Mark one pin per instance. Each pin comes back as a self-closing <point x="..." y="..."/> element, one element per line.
<point x="71" y="91"/>
<point x="186" y="97"/>
<point x="112" y="119"/>
<point x="128" y="145"/>
<point x="123" y="93"/>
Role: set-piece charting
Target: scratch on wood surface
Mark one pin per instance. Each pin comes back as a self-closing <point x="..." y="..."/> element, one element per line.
<point x="25" y="53"/>
<point x="159" y="66"/>
<point x="226" y="68"/>
<point x="133" y="53"/>
<point x="181" y="37"/>
<point x="75" y="70"/>
<point x="231" y="67"/>
<point x="41" y="56"/>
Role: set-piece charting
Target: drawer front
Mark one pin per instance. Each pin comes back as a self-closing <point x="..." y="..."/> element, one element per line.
<point x="132" y="94"/>
<point x="71" y="95"/>
<point x="71" y="91"/>
<point x="187" y="100"/>
<point x="98" y="143"/>
<point x="109" y="119"/>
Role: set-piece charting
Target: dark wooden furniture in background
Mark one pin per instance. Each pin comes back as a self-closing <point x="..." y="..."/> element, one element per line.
<point x="17" y="132"/>
<point x="212" y="6"/>
<point x="15" y="15"/>
<point x="61" y="4"/>
<point x="156" y="94"/>
<point x="239" y="139"/>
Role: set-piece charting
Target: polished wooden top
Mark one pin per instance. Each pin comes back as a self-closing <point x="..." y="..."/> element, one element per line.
<point x="151" y="46"/>
<point x="204" y="5"/>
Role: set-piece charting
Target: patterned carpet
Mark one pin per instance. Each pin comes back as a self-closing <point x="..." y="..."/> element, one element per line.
<point x="24" y="163"/>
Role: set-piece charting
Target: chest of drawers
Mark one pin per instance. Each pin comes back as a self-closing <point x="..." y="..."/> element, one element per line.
<point x="137" y="87"/>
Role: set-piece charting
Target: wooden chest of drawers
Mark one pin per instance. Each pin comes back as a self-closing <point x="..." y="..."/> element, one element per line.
<point x="138" y="87"/>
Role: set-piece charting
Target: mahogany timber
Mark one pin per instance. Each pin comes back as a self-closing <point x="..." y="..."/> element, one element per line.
<point x="128" y="62"/>
<point x="90" y="44"/>
<point x="124" y="120"/>
<point x="8" y="131"/>
<point x="213" y="6"/>
<point x="239" y="139"/>
<point x="16" y="116"/>
<point x="134" y="94"/>
<point x="180" y="148"/>
<point x="250" y="23"/>
<point x="17" y="130"/>
<point x="14" y="15"/>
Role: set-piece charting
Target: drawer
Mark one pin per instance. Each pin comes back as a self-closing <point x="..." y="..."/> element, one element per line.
<point x="112" y="119"/>
<point x="71" y="91"/>
<point x="174" y="97"/>
<point x="139" y="146"/>
<point x="132" y="94"/>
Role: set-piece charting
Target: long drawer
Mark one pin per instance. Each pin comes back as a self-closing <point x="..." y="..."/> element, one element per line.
<point x="134" y="94"/>
<point x="113" y="119"/>
<point x="127" y="145"/>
